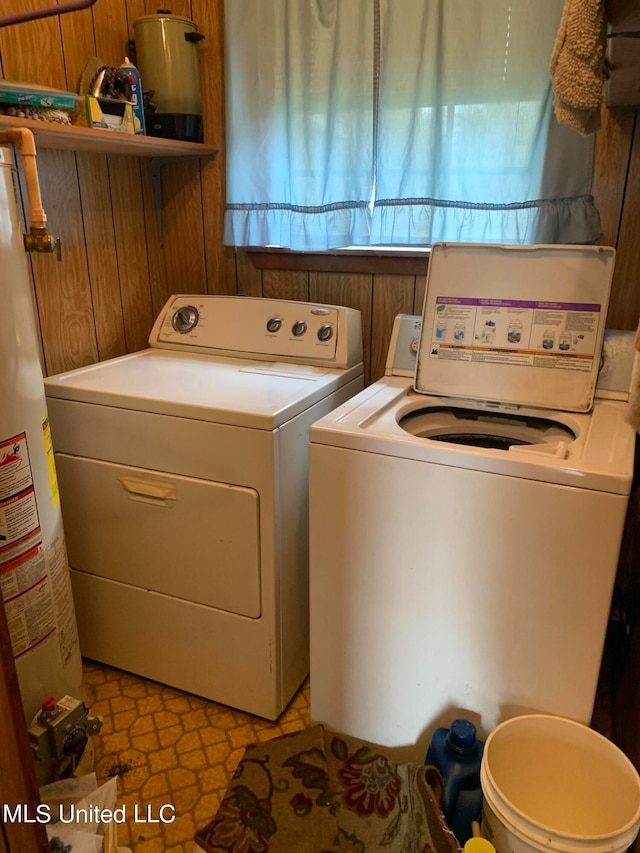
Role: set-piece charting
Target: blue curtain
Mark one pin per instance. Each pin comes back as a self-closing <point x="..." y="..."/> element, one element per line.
<point x="399" y="122"/>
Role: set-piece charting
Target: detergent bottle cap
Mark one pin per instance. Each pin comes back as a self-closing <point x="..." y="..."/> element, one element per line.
<point x="461" y="737"/>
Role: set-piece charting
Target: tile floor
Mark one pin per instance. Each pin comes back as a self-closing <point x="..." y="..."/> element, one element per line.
<point x="171" y="748"/>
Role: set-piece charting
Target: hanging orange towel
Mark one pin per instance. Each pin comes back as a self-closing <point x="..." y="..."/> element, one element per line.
<point x="577" y="64"/>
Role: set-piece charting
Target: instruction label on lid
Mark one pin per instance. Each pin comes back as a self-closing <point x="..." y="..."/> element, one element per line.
<point x="560" y="335"/>
<point x="515" y="324"/>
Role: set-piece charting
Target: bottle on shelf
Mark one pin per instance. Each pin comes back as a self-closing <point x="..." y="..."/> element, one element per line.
<point x="136" y="94"/>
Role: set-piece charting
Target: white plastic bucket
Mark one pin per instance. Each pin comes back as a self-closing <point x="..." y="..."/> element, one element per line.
<point x="553" y="784"/>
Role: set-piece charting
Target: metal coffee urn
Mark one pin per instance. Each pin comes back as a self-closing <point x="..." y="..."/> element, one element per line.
<point x="167" y="59"/>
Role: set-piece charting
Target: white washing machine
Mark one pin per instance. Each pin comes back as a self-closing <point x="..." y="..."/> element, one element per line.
<point x="183" y="479"/>
<point x="463" y="547"/>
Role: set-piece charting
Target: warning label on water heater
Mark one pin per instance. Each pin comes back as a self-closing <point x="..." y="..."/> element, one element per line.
<point x="34" y="577"/>
<point x="23" y="575"/>
<point x="18" y="509"/>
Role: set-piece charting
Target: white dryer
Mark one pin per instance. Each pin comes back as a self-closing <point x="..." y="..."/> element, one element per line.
<point x="463" y="545"/>
<point x="183" y="482"/>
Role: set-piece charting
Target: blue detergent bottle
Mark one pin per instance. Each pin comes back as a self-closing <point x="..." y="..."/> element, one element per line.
<point x="457" y="753"/>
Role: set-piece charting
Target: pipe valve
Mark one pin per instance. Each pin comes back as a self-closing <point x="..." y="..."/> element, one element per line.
<point x="39" y="240"/>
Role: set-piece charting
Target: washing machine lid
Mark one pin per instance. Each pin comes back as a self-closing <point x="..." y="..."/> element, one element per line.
<point x="515" y="324"/>
<point x="235" y="391"/>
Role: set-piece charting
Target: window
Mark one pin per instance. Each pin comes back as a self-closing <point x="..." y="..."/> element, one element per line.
<point x="399" y="122"/>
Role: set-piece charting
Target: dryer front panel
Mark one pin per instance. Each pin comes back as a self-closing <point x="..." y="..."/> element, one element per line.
<point x="196" y="540"/>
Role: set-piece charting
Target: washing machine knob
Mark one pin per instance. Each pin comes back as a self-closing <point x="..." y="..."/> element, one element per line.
<point x="274" y="324"/>
<point x="299" y="328"/>
<point x="185" y="319"/>
<point x="325" y="332"/>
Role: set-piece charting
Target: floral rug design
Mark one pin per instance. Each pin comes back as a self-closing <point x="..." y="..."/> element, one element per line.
<point x="317" y="791"/>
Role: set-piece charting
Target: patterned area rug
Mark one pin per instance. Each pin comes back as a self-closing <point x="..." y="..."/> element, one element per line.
<point x="317" y="791"/>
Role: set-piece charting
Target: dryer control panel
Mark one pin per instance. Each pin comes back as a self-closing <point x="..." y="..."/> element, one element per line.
<point x="265" y="329"/>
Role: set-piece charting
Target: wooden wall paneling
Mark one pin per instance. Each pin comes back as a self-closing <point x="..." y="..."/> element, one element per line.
<point x="178" y="7"/>
<point x="625" y="308"/>
<point x="182" y="256"/>
<point x="32" y="52"/>
<point x="135" y="9"/>
<point x="111" y="31"/>
<point x="131" y="251"/>
<point x="97" y="212"/>
<point x="611" y="170"/>
<point x="285" y="284"/>
<point x="418" y="298"/>
<point x="354" y="291"/>
<point x="127" y="201"/>
<point x="346" y="261"/>
<point x="248" y="276"/>
<point x="392" y="294"/>
<point x="178" y="266"/>
<point x="62" y="288"/>
<point x="221" y="261"/>
<point x="111" y="39"/>
<point x="182" y="213"/>
<point x="78" y="44"/>
<point x="612" y="153"/>
<point x="156" y="256"/>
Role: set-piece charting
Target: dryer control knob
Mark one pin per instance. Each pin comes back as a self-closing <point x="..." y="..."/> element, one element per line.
<point x="185" y="319"/>
<point x="274" y="324"/>
<point x="325" y="332"/>
<point x="299" y="328"/>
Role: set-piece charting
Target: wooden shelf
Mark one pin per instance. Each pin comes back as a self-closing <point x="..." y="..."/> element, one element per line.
<point x="96" y="140"/>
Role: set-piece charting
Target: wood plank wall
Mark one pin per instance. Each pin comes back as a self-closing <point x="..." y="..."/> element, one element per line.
<point x="100" y="301"/>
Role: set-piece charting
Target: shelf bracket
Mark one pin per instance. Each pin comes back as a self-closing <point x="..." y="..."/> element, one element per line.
<point x="156" y="181"/>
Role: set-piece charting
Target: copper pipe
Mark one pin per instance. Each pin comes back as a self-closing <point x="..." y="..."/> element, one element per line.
<point x="22" y="139"/>
<point x="46" y="12"/>
<point x="38" y="239"/>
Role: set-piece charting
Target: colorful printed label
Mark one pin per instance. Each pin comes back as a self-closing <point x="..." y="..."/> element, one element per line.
<point x="520" y="332"/>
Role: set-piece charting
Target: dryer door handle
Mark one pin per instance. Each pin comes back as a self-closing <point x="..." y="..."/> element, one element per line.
<point x="149" y="491"/>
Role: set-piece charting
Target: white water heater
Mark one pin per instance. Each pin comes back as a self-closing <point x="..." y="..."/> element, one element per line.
<point x="34" y="572"/>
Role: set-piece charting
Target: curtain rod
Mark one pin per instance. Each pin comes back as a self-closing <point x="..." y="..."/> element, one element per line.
<point x="46" y="12"/>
